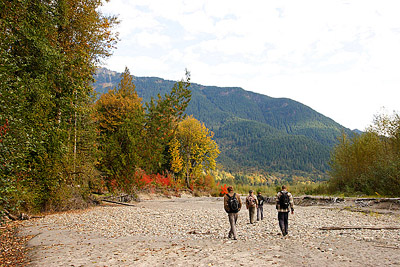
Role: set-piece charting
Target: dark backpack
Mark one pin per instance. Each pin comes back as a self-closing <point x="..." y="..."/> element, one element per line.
<point x="233" y="203"/>
<point x="284" y="200"/>
<point x="260" y="200"/>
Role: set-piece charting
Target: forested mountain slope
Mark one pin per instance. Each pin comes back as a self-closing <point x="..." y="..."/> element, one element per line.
<point x="254" y="131"/>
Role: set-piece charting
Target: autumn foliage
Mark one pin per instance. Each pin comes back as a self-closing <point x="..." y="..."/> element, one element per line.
<point x="58" y="141"/>
<point x="152" y="146"/>
<point x="224" y="190"/>
<point x="193" y="151"/>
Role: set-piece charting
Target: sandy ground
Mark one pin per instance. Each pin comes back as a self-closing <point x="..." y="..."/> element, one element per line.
<point x="193" y="232"/>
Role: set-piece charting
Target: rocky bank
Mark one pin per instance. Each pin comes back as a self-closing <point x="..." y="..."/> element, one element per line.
<point x="193" y="232"/>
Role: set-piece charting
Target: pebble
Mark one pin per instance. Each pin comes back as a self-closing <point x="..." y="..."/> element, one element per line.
<point x="204" y="219"/>
<point x="150" y="218"/>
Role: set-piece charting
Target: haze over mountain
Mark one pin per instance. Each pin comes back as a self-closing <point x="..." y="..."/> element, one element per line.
<point x="255" y="132"/>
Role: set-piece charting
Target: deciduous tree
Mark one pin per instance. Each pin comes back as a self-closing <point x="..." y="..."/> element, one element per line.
<point x="48" y="54"/>
<point x="370" y="162"/>
<point x="197" y="150"/>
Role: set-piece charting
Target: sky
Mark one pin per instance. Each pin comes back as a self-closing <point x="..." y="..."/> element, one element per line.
<point x="341" y="58"/>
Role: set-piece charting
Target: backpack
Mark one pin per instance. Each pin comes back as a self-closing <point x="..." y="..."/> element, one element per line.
<point x="260" y="200"/>
<point x="233" y="203"/>
<point x="251" y="201"/>
<point x="284" y="200"/>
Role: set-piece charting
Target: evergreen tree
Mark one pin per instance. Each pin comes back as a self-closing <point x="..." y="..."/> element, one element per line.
<point x="120" y="117"/>
<point x="161" y="120"/>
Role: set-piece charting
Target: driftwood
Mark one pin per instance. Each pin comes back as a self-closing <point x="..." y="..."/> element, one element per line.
<point x="393" y="199"/>
<point x="21" y="216"/>
<point x="10" y="216"/>
<point x="120" y="198"/>
<point x="359" y="228"/>
<point x="117" y="202"/>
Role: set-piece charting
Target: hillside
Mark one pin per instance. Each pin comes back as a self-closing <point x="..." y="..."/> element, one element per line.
<point x="254" y="131"/>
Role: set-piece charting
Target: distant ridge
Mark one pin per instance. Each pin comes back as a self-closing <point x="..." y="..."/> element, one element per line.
<point x="255" y="132"/>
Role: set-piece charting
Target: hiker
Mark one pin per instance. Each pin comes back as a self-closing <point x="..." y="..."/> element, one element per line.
<point x="260" y="210"/>
<point x="284" y="202"/>
<point x="232" y="205"/>
<point x="251" y="205"/>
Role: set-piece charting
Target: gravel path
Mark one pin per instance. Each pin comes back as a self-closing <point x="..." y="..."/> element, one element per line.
<point x="193" y="232"/>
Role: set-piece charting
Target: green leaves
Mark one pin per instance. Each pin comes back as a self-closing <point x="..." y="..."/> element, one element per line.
<point x="48" y="51"/>
<point x="161" y="120"/>
<point x="120" y="118"/>
<point x="369" y="162"/>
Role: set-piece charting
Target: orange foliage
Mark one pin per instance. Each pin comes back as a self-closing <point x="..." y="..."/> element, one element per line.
<point x="157" y="180"/>
<point x="118" y="104"/>
<point x="224" y="190"/>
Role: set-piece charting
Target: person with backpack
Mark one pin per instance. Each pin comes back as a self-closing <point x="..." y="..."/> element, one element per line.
<point x="260" y="210"/>
<point x="284" y="203"/>
<point x="232" y="205"/>
<point x="251" y="205"/>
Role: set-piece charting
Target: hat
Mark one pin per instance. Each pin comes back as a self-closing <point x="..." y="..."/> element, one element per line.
<point x="251" y="191"/>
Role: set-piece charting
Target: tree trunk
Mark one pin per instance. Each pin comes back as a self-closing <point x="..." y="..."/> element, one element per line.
<point x="188" y="171"/>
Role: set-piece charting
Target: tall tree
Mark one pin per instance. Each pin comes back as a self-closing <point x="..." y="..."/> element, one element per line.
<point x="120" y="118"/>
<point x="193" y="149"/>
<point x="162" y="118"/>
<point x="49" y="51"/>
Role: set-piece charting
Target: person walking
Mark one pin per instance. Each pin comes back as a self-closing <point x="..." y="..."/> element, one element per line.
<point x="284" y="203"/>
<point x="251" y="205"/>
<point x="260" y="210"/>
<point x="232" y="205"/>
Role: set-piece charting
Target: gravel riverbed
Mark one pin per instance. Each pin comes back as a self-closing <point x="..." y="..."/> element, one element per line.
<point x="193" y="232"/>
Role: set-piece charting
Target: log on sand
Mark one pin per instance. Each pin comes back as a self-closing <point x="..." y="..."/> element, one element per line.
<point x="119" y="203"/>
<point x="359" y="228"/>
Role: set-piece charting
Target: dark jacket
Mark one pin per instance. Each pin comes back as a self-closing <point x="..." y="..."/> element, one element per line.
<point x="260" y="199"/>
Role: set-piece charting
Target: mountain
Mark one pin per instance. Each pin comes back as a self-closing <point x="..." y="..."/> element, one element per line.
<point x="255" y="132"/>
<point x="357" y="131"/>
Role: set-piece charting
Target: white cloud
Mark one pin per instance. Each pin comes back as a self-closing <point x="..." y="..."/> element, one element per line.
<point x="339" y="57"/>
<point x="147" y="39"/>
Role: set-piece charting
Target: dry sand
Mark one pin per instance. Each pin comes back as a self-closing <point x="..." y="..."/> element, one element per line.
<point x="193" y="232"/>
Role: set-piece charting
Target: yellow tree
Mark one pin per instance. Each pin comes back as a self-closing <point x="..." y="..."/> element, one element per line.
<point x="193" y="150"/>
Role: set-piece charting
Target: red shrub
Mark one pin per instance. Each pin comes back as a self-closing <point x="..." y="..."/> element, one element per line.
<point x="147" y="179"/>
